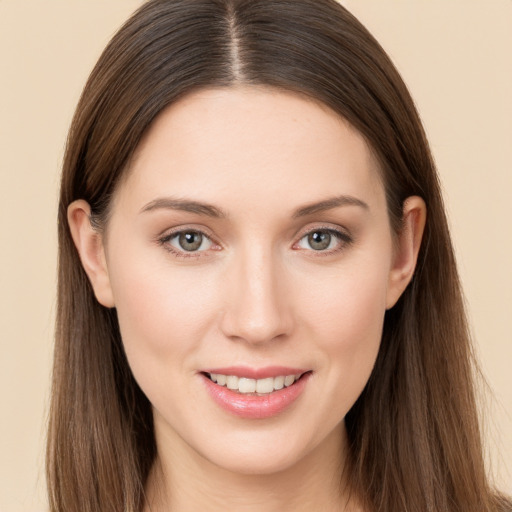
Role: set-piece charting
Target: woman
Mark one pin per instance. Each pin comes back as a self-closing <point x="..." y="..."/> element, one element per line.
<point x="258" y="302"/>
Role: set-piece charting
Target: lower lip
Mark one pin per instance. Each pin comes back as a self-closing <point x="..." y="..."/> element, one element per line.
<point x="253" y="406"/>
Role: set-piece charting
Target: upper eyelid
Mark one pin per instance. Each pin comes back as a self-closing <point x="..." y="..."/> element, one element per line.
<point x="171" y="232"/>
<point x="205" y="231"/>
<point x="332" y="228"/>
<point x="299" y="235"/>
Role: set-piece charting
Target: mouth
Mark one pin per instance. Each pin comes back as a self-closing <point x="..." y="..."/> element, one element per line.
<point x="255" y="394"/>
<point x="254" y="387"/>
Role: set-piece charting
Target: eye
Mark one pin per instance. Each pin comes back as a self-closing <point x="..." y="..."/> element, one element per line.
<point x="188" y="241"/>
<point x="324" y="240"/>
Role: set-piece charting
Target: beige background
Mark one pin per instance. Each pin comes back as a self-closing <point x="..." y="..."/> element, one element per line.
<point x="454" y="54"/>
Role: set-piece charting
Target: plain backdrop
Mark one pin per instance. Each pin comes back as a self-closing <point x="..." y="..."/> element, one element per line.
<point x="455" y="55"/>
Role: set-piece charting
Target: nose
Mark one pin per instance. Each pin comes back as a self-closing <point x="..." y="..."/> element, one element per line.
<point x="257" y="301"/>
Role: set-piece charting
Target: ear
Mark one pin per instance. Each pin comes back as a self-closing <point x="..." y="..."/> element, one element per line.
<point x="89" y="244"/>
<point x="407" y="248"/>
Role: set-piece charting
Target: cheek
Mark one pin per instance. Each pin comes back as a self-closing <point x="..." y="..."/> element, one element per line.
<point x="348" y="306"/>
<point x="163" y="312"/>
<point x="345" y="318"/>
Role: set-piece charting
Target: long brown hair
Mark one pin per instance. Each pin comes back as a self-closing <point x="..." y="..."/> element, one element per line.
<point x="414" y="437"/>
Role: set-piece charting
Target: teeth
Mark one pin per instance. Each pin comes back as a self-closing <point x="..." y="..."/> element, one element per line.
<point x="289" y="380"/>
<point x="232" y="382"/>
<point x="259" y="386"/>
<point x="247" y="385"/>
<point x="279" y="382"/>
<point x="265" y="385"/>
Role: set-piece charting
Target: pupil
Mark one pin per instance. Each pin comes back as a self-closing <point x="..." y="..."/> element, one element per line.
<point x="319" y="240"/>
<point x="190" y="241"/>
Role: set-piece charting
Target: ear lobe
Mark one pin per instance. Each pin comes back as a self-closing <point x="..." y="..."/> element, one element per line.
<point x="89" y="245"/>
<point x="407" y="248"/>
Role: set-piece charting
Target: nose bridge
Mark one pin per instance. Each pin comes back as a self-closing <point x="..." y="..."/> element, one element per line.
<point x="256" y="306"/>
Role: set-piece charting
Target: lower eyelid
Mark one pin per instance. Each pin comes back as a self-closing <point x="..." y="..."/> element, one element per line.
<point x="343" y="239"/>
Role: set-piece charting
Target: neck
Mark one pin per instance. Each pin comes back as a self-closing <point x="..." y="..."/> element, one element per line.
<point x="182" y="481"/>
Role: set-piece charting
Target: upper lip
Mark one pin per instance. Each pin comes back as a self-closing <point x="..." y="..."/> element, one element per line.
<point x="256" y="373"/>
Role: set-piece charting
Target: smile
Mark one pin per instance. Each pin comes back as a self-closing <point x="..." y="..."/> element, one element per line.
<point x="255" y="394"/>
<point x="254" y="386"/>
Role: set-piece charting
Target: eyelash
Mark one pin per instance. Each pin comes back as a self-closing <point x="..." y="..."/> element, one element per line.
<point x="343" y="239"/>
<point x="165" y="242"/>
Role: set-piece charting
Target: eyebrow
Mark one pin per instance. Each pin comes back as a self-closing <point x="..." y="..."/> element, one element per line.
<point x="186" y="205"/>
<point x="329" y="204"/>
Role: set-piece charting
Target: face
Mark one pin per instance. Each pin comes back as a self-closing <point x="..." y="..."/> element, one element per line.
<point x="250" y="244"/>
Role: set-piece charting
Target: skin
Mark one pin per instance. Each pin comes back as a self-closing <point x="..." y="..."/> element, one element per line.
<point x="256" y="292"/>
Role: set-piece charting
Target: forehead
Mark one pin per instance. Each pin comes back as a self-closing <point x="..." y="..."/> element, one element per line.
<point x="219" y="144"/>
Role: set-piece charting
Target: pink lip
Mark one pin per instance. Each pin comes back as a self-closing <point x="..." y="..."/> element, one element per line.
<point x="254" y="406"/>
<point x="256" y="373"/>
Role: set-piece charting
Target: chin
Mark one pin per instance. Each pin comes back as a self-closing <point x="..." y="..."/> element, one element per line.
<point x="259" y="453"/>
<point x="257" y="462"/>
